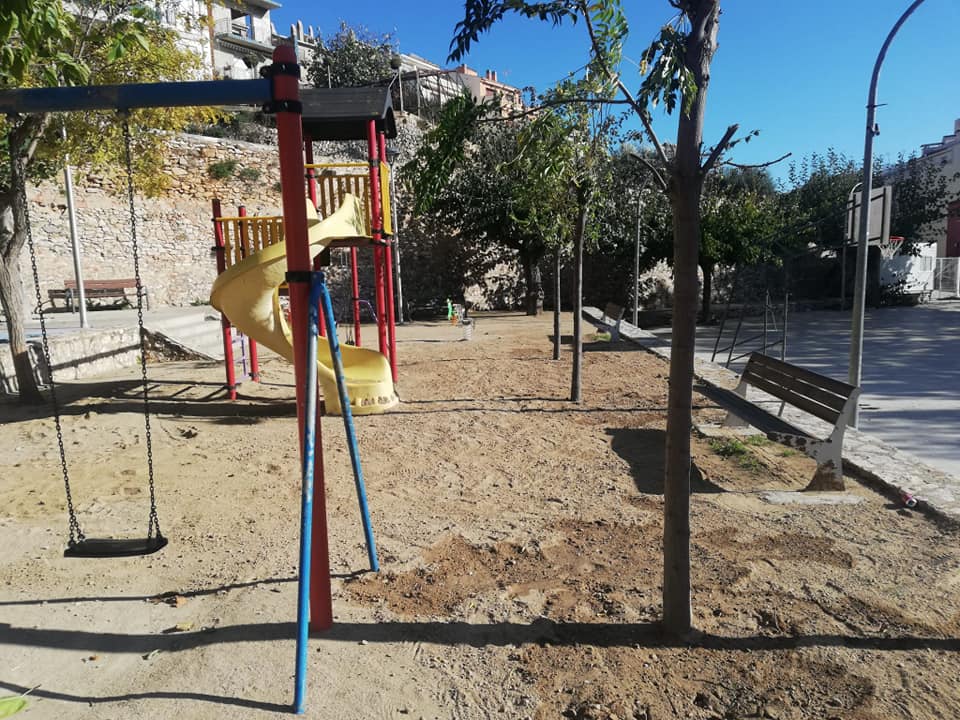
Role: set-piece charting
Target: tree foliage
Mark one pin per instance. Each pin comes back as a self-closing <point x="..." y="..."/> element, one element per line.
<point x="352" y="57"/>
<point x="100" y="42"/>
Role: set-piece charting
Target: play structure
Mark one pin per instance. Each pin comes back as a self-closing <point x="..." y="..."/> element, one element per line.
<point x="249" y="287"/>
<point x="339" y="114"/>
<point x="247" y="293"/>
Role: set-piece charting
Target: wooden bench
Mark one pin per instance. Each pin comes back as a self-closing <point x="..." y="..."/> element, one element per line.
<point x="97" y="290"/>
<point x="611" y="318"/>
<point x="818" y="395"/>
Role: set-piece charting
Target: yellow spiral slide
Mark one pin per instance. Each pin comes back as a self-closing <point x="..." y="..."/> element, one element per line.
<point x="247" y="293"/>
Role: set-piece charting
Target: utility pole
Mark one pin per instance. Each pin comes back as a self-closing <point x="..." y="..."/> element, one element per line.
<point x="74" y="241"/>
<point x="636" y="264"/>
<point x="860" y="284"/>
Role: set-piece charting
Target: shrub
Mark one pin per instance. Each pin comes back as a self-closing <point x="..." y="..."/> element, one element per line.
<point x="249" y="174"/>
<point x="222" y="170"/>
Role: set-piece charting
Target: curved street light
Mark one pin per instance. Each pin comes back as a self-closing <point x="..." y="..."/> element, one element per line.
<point x="860" y="285"/>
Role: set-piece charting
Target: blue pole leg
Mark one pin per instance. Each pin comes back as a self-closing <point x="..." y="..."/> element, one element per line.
<point x="347" y="419"/>
<point x="306" y="511"/>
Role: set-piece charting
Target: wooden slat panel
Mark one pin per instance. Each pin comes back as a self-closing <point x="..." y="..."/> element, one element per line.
<point x="804" y="403"/>
<point x="827" y="383"/>
<point x="801" y="387"/>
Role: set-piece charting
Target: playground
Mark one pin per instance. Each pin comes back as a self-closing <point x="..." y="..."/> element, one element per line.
<point x="519" y="539"/>
<point x="518" y="555"/>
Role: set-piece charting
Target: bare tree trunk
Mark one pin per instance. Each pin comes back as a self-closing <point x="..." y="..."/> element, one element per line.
<point x="12" y="302"/>
<point x="686" y="183"/>
<point x="556" y="304"/>
<point x="707" y="292"/>
<point x="578" y="234"/>
<point x="13" y="235"/>
<point x="533" y="300"/>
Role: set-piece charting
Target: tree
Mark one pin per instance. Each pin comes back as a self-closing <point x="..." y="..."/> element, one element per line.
<point x="676" y="69"/>
<point x="352" y="57"/>
<point x="921" y="196"/>
<point x="482" y="182"/>
<point x="102" y="41"/>
<point x="739" y="224"/>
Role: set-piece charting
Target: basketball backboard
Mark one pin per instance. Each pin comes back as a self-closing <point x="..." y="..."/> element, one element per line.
<point x="881" y="207"/>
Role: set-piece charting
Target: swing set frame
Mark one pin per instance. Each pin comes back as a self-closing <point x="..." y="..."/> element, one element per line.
<point x="278" y="92"/>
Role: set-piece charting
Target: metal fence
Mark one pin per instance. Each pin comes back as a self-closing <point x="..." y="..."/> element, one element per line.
<point x="946" y="278"/>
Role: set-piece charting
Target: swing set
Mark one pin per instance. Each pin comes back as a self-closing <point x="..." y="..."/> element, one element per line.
<point x="277" y="92"/>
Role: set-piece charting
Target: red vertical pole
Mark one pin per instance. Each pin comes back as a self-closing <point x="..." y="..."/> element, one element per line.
<point x="311" y="173"/>
<point x="286" y="97"/>
<point x="376" y="232"/>
<point x="317" y="267"/>
<point x="251" y="343"/>
<point x="220" y="248"/>
<point x="388" y="273"/>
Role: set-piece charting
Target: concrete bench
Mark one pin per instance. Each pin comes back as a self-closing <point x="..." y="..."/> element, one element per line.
<point x="815" y="394"/>
<point x="97" y="290"/>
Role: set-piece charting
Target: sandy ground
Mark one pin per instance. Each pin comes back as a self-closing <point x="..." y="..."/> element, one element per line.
<point x="520" y="543"/>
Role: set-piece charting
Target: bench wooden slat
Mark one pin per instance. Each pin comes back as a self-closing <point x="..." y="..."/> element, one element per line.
<point x="613" y="311"/>
<point x="118" y="284"/>
<point x="797" y="400"/>
<point x="827" y="383"/>
<point x="800" y="386"/>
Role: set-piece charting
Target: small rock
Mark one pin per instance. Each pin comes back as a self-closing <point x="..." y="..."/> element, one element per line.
<point x="364" y="642"/>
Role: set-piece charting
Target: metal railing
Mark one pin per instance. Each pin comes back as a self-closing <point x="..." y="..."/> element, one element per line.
<point x="946" y="278"/>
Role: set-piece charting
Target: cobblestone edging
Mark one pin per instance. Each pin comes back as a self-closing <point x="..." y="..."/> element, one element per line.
<point x="864" y="456"/>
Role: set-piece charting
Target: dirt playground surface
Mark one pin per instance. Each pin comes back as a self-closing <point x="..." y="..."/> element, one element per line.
<point x="520" y="543"/>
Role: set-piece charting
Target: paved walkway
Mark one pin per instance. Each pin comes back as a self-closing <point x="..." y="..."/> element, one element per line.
<point x="866" y="452"/>
<point x="911" y="371"/>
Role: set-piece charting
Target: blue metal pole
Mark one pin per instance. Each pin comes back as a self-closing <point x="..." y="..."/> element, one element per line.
<point x="320" y="287"/>
<point x="136" y="95"/>
<point x="306" y="508"/>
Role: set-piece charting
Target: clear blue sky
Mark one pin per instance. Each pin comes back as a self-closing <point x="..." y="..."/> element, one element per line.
<point x="796" y="71"/>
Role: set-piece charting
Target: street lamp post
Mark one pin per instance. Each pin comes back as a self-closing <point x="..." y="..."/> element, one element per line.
<point x="860" y="285"/>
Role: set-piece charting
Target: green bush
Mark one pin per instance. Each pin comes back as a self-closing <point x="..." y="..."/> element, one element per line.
<point x="222" y="170"/>
<point x="249" y="174"/>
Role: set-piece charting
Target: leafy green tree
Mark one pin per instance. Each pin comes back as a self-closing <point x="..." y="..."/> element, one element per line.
<point x="100" y="42"/>
<point x="738" y="225"/>
<point x="352" y="57"/>
<point x="480" y="180"/>
<point x="921" y="196"/>
<point x="676" y="73"/>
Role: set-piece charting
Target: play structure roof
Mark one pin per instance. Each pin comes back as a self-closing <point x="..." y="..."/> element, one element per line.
<point x="343" y="113"/>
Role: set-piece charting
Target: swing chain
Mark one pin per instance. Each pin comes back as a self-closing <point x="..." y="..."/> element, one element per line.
<point x="154" y="524"/>
<point x="76" y="533"/>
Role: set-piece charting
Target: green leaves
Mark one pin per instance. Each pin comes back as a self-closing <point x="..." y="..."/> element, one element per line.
<point x="31" y="34"/>
<point x="480" y="15"/>
<point x="668" y="79"/>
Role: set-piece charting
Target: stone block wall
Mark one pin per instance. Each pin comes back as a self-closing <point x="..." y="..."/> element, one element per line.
<point x="174" y="231"/>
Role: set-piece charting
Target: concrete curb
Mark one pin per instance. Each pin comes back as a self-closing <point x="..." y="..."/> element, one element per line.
<point x="869" y="459"/>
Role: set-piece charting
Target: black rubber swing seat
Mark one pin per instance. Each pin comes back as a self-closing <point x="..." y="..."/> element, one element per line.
<point x="115" y="547"/>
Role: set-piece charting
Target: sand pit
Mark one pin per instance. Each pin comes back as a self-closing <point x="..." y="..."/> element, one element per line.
<point x="520" y="545"/>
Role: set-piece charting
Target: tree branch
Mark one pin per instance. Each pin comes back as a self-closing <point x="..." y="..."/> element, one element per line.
<point x="661" y="181"/>
<point x="615" y="78"/>
<point x="718" y="149"/>
<point x="759" y="165"/>
<point x="556" y="103"/>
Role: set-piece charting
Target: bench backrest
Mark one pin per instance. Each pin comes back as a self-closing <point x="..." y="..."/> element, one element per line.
<point x="614" y="312"/>
<point x="811" y="392"/>
<point x="101" y="284"/>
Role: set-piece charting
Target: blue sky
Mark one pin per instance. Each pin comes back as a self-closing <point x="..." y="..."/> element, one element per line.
<point x="796" y="71"/>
